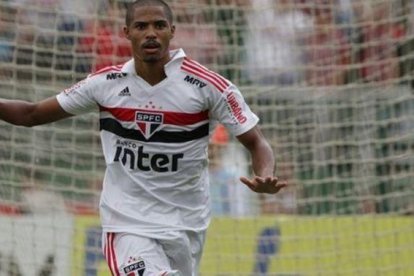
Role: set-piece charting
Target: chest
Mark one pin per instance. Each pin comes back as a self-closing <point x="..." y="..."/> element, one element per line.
<point x="176" y="95"/>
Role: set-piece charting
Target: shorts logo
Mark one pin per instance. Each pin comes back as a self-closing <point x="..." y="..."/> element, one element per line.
<point x="135" y="267"/>
<point x="148" y="122"/>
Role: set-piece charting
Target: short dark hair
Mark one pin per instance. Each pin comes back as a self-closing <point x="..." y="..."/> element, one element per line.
<point x="130" y="7"/>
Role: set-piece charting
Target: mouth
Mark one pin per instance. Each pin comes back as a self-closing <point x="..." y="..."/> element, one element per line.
<point x="151" y="46"/>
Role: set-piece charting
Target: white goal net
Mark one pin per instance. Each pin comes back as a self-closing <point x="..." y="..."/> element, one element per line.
<point x="332" y="82"/>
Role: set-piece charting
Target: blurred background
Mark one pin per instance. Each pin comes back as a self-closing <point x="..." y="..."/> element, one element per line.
<point x="332" y="82"/>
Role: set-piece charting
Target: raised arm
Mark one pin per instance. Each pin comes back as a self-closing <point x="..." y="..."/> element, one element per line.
<point x="263" y="163"/>
<point x="28" y="114"/>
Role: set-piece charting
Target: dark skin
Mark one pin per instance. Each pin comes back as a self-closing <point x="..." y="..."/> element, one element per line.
<point x="150" y="33"/>
<point x="28" y="114"/>
<point x="263" y="163"/>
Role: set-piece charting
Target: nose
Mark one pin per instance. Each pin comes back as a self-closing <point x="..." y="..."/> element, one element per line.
<point x="151" y="33"/>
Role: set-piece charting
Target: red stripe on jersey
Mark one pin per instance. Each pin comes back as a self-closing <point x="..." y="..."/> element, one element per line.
<point x="170" y="118"/>
<point x="215" y="79"/>
<point x="218" y="76"/>
<point x="202" y="76"/>
<point x="198" y="67"/>
<point x="116" y="68"/>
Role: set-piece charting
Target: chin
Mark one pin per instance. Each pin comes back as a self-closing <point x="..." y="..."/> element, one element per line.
<point x="151" y="59"/>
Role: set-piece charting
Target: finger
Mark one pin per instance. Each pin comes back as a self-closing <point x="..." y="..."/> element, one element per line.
<point x="269" y="181"/>
<point x="249" y="183"/>
<point x="276" y="186"/>
<point x="280" y="185"/>
<point x="245" y="180"/>
<point x="283" y="183"/>
<point x="260" y="180"/>
<point x="272" y="181"/>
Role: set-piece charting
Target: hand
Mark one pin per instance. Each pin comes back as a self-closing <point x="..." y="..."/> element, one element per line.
<point x="267" y="185"/>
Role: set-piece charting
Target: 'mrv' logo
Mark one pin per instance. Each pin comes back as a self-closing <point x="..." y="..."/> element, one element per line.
<point x="194" y="81"/>
<point x="148" y="122"/>
<point x="114" y="76"/>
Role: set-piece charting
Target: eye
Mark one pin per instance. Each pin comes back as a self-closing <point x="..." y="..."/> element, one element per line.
<point x="140" y="25"/>
<point x="160" y="24"/>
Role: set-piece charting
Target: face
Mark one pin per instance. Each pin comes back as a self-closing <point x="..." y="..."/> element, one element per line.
<point x="150" y="34"/>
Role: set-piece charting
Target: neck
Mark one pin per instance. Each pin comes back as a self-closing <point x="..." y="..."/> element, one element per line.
<point x="152" y="73"/>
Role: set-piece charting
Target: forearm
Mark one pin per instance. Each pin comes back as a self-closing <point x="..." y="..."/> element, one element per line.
<point x="16" y="112"/>
<point x="263" y="161"/>
<point x="31" y="114"/>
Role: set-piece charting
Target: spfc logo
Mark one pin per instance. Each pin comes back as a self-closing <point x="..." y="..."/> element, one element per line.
<point x="148" y="122"/>
<point x="135" y="267"/>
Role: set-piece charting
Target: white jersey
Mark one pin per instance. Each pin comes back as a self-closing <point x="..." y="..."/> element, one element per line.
<point x="155" y="141"/>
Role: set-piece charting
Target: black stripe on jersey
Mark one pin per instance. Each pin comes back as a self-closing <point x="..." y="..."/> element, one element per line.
<point x="115" y="127"/>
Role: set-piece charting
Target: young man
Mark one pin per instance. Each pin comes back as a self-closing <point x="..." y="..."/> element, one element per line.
<point x="156" y="112"/>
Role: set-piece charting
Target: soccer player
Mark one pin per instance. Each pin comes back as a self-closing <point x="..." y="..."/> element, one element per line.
<point x="156" y="113"/>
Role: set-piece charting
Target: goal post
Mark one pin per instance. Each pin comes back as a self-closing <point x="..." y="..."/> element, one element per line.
<point x="332" y="82"/>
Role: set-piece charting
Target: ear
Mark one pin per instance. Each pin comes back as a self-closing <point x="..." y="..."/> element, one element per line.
<point x="126" y="32"/>
<point x="172" y="31"/>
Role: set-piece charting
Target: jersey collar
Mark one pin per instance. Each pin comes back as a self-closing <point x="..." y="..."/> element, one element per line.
<point x="176" y="55"/>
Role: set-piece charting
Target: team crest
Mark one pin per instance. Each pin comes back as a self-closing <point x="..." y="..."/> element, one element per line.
<point x="148" y="122"/>
<point x="135" y="267"/>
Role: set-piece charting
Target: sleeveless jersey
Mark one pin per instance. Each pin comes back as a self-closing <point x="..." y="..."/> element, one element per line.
<point x="155" y="141"/>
